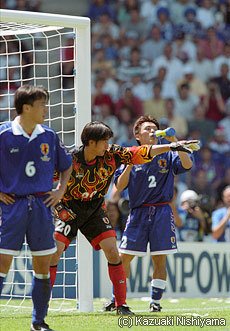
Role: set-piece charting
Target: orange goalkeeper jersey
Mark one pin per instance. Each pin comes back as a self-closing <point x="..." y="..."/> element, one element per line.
<point x="91" y="181"/>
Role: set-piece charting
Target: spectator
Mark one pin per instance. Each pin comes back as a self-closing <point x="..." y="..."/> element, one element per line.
<point x="124" y="8"/>
<point x="221" y="219"/>
<point x="181" y="45"/>
<point x="174" y="121"/>
<point x="199" y="122"/>
<point x="205" y="13"/>
<point x="128" y="42"/>
<point x="156" y="105"/>
<point x="223" y="82"/>
<point x="214" y="103"/>
<point x="135" y="24"/>
<point x="194" y="222"/>
<point x="177" y="10"/>
<point x="197" y="86"/>
<point x="222" y="58"/>
<point x="128" y="99"/>
<point x="164" y="23"/>
<point x="219" y="143"/>
<point x="153" y="46"/>
<point x="149" y="10"/>
<point x="174" y="67"/>
<point x="211" y="44"/>
<point x="97" y="8"/>
<point x="213" y="170"/>
<point x="105" y="25"/>
<point x="110" y="86"/>
<point x="99" y="97"/>
<point x="225" y="122"/>
<point x="104" y="114"/>
<point x="190" y="26"/>
<point x="136" y="66"/>
<point x="185" y="102"/>
<point x="100" y="62"/>
<point x="203" y="67"/>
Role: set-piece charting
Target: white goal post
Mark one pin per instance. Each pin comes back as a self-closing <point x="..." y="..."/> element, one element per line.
<point x="31" y="52"/>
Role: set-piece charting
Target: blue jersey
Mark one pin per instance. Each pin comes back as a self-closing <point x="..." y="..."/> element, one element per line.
<point x="27" y="163"/>
<point x="217" y="216"/>
<point x="153" y="182"/>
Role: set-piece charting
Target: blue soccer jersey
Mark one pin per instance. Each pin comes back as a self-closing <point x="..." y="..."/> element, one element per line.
<point x="152" y="182"/>
<point x="27" y="163"/>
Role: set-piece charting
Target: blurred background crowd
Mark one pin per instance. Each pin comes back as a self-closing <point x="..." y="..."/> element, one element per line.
<point x="169" y="59"/>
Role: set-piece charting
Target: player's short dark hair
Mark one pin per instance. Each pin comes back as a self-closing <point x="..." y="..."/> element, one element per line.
<point x="144" y="119"/>
<point x="27" y="94"/>
<point x="95" y="131"/>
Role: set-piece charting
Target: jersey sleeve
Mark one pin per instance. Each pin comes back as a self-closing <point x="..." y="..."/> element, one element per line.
<point x="63" y="157"/>
<point x="118" y="172"/>
<point x="177" y="165"/>
<point x="131" y="155"/>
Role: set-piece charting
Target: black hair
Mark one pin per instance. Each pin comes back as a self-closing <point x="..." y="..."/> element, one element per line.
<point x="95" y="131"/>
<point x="27" y="94"/>
<point x="140" y="121"/>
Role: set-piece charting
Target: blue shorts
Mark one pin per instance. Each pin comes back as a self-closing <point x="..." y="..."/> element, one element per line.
<point x="26" y="217"/>
<point x="152" y="225"/>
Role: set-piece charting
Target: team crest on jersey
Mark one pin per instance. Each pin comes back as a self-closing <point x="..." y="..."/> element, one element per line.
<point x="162" y="163"/>
<point x="173" y="240"/>
<point x="45" y="151"/>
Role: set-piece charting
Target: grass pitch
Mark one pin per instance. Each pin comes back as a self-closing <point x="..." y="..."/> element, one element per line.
<point x="177" y="315"/>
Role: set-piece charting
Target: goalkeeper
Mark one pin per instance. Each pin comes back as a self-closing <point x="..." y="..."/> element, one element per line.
<point x="82" y="206"/>
<point x="151" y="221"/>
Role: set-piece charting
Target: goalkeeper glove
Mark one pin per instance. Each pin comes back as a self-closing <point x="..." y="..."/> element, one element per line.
<point x="185" y="146"/>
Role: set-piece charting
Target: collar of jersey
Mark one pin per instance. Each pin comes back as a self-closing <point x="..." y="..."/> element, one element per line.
<point x="18" y="130"/>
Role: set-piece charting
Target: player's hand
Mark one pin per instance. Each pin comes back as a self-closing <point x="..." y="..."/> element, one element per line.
<point x="6" y="198"/>
<point x="53" y="197"/>
<point x="187" y="146"/>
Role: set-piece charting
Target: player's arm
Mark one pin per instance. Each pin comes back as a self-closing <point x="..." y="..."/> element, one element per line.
<point x="186" y="161"/>
<point x="57" y="194"/>
<point x="123" y="179"/>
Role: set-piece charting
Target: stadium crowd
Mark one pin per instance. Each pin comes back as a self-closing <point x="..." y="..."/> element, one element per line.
<point x="169" y="59"/>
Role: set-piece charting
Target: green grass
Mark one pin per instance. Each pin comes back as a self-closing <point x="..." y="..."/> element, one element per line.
<point x="176" y="310"/>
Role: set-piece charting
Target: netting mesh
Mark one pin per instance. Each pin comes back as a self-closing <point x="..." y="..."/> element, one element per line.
<point x="40" y="55"/>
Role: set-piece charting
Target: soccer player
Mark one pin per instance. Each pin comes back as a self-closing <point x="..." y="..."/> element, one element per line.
<point x="150" y="187"/>
<point x="83" y="205"/>
<point x="30" y="153"/>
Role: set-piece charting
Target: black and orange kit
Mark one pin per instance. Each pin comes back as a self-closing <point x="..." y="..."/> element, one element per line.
<point x="83" y="205"/>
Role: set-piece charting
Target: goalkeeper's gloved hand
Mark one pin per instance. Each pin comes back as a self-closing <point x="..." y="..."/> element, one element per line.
<point x="188" y="146"/>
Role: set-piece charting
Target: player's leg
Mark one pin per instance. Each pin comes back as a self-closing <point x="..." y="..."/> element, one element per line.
<point x="115" y="268"/>
<point x="158" y="282"/>
<point x="126" y="259"/>
<point x="100" y="233"/>
<point x="41" y="289"/>
<point x="162" y="243"/>
<point x="12" y="229"/>
<point x="40" y="239"/>
<point x="54" y="261"/>
<point x="6" y="261"/>
<point x="65" y="232"/>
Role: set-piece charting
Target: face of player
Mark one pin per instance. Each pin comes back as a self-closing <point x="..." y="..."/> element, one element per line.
<point x="38" y="111"/>
<point x="145" y="135"/>
<point x="99" y="147"/>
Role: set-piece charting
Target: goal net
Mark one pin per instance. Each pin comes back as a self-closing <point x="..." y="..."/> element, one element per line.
<point x="53" y="51"/>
